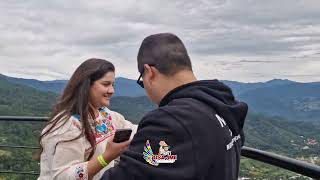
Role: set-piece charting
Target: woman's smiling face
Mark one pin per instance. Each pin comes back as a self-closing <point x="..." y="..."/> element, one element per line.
<point x="102" y="90"/>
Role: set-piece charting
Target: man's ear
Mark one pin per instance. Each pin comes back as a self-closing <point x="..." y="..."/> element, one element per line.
<point x="149" y="71"/>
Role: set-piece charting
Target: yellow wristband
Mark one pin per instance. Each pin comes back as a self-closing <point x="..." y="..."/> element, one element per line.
<point x="101" y="160"/>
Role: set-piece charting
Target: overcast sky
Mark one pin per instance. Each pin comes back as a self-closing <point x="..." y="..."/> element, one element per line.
<point x="242" y="40"/>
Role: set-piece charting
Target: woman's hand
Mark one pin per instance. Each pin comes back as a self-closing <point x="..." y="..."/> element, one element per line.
<point x="113" y="150"/>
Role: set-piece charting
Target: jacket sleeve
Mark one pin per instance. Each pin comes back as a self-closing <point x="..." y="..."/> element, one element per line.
<point x="156" y="126"/>
<point x="68" y="158"/>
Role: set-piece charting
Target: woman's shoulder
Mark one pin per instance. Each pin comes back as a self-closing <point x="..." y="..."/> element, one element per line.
<point x="68" y="124"/>
<point x="75" y="122"/>
<point x="67" y="131"/>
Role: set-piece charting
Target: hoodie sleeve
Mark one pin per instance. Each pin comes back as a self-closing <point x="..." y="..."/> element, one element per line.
<point x="156" y="128"/>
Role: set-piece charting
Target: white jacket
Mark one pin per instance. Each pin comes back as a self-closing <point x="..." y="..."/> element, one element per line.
<point x="68" y="160"/>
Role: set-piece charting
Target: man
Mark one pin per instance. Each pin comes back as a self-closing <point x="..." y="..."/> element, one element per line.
<point x="200" y="122"/>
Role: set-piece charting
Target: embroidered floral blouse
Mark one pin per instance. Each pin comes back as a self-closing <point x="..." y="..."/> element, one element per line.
<point x="68" y="160"/>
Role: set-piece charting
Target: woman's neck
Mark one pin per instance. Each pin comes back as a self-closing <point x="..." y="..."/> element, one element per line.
<point x="95" y="110"/>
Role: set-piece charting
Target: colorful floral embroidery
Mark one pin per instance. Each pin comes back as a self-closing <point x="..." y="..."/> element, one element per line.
<point x="76" y="122"/>
<point x="104" y="114"/>
<point x="79" y="173"/>
<point x="104" y="126"/>
<point x="77" y="116"/>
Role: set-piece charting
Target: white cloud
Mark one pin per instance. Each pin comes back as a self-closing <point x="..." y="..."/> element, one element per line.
<point x="245" y="40"/>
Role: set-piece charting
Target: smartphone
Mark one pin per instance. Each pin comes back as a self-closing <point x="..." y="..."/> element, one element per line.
<point x="122" y="135"/>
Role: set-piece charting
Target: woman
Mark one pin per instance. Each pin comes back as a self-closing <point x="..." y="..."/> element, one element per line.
<point x="77" y="141"/>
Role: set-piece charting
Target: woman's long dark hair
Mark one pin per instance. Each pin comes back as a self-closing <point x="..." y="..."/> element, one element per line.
<point x="76" y="100"/>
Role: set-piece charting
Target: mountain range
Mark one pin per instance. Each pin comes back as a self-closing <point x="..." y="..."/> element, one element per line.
<point x="18" y="99"/>
<point x="289" y="99"/>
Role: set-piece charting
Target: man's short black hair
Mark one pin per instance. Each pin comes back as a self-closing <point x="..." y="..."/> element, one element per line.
<point x="166" y="52"/>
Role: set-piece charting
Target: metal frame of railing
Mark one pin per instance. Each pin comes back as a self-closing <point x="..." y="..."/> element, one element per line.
<point x="300" y="167"/>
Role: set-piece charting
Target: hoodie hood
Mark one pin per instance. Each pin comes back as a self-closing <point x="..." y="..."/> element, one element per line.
<point x="216" y="95"/>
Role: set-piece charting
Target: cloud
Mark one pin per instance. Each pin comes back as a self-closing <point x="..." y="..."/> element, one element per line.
<point x="58" y="35"/>
<point x="256" y="61"/>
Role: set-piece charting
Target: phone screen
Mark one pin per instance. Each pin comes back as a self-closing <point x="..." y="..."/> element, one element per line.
<point x="122" y="135"/>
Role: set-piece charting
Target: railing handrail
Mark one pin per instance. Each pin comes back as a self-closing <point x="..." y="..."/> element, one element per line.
<point x="17" y="147"/>
<point x="24" y="118"/>
<point x="301" y="167"/>
<point x="20" y="172"/>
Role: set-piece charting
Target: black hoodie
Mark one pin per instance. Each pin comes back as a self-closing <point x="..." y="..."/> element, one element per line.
<point x="200" y="124"/>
